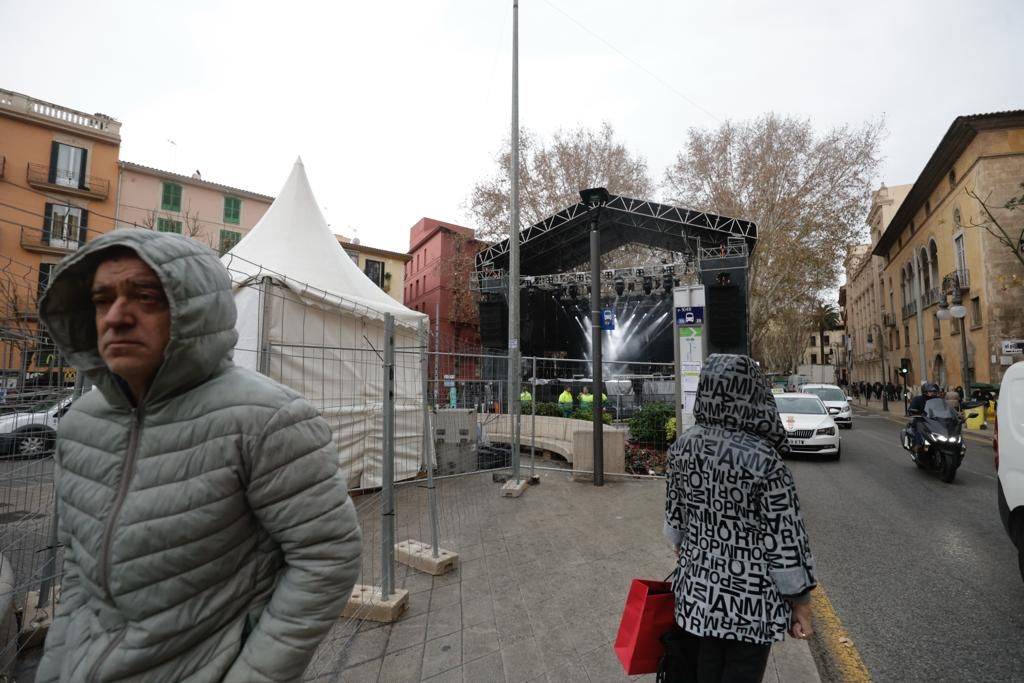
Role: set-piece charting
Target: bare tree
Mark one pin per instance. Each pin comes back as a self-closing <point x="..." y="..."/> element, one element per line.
<point x="551" y="176"/>
<point x="456" y="274"/>
<point x="999" y="229"/>
<point x="808" y="194"/>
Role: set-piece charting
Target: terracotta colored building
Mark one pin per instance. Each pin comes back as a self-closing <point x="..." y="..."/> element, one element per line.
<point x="58" y="175"/>
<point x="215" y="214"/>
<point x="437" y="282"/>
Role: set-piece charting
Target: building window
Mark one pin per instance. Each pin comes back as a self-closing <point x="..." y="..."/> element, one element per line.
<point x="824" y="340"/>
<point x="813" y="342"/>
<point x="976" y="312"/>
<point x="228" y="239"/>
<point x="168" y="225"/>
<point x="354" y="255"/>
<point x="952" y="178"/>
<point x="814" y="359"/>
<point x="960" y="254"/>
<point x="171" y="197"/>
<point x="936" y="327"/>
<point x="64" y="225"/>
<point x="375" y="271"/>
<point x="927" y="207"/>
<point x="67" y="165"/>
<point x="906" y="335"/>
<point x="232" y="210"/>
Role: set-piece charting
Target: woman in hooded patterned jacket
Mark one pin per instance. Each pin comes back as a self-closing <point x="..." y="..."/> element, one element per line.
<point x="745" y="569"/>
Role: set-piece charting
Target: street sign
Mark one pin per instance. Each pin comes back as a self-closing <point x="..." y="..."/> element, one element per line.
<point x="689" y="315"/>
<point x="685" y="332"/>
<point x="449" y="380"/>
<point x="607" y="320"/>
<point x="1013" y="347"/>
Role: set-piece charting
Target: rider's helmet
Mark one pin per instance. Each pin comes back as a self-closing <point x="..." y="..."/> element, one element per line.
<point x="930" y="388"/>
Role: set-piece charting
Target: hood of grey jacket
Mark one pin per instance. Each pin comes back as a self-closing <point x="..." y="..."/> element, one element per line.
<point x="202" y="308"/>
<point x="734" y="394"/>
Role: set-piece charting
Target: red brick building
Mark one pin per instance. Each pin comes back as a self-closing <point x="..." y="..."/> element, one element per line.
<point x="437" y="282"/>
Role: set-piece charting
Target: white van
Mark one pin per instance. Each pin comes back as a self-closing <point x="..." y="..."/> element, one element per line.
<point x="1008" y="444"/>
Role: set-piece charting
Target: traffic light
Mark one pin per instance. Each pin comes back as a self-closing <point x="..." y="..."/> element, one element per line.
<point x="904" y="366"/>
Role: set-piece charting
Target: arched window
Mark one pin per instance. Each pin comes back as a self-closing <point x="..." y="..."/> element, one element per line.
<point x="933" y="263"/>
<point x="922" y="263"/>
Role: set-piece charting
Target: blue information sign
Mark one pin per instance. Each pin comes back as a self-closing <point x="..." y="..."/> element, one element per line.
<point x="607" y="320"/>
<point x="689" y="315"/>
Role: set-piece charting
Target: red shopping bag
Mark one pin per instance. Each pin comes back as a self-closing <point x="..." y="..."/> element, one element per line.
<point x="649" y="613"/>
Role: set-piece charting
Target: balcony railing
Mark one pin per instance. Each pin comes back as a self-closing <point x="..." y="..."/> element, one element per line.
<point x="963" y="275"/>
<point x="59" y="241"/>
<point x="934" y="296"/>
<point x="88" y="186"/>
<point x="909" y="310"/>
<point x="888" y="319"/>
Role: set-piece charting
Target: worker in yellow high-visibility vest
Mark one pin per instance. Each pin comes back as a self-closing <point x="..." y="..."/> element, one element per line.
<point x="586" y="399"/>
<point x="525" y="402"/>
<point x="565" y="402"/>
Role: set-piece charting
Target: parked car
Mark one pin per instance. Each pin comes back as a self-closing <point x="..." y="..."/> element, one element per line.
<point x="809" y="426"/>
<point x="31" y="431"/>
<point x="1008" y="444"/>
<point x="835" y="399"/>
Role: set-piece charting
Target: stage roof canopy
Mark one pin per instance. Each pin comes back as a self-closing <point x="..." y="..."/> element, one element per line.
<point x="562" y="241"/>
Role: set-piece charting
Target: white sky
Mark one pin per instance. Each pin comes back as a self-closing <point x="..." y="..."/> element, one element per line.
<point x="398" y="107"/>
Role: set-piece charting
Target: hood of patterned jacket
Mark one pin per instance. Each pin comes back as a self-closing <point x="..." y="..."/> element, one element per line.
<point x="734" y="394"/>
<point x="201" y="304"/>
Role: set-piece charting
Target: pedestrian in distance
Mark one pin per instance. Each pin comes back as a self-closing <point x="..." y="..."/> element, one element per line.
<point x="953" y="399"/>
<point x="745" y="570"/>
<point x="586" y="399"/>
<point x="565" y="402"/>
<point x="525" y="401"/>
<point x="207" y="532"/>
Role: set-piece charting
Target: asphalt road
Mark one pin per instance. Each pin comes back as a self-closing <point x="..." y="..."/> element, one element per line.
<point x="920" y="572"/>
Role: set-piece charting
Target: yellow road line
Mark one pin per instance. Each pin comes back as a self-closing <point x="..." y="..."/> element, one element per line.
<point x="833" y="637"/>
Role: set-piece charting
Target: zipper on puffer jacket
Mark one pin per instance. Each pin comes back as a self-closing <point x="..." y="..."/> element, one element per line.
<point x="127" y="471"/>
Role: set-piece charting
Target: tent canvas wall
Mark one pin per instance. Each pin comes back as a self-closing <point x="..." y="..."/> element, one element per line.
<point x="308" y="318"/>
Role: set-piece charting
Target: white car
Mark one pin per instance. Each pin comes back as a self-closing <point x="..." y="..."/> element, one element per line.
<point x="835" y="399"/>
<point x="809" y="426"/>
<point x="31" y="431"/>
<point x="1008" y="444"/>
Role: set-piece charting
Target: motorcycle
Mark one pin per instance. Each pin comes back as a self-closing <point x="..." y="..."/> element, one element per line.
<point x="940" y="445"/>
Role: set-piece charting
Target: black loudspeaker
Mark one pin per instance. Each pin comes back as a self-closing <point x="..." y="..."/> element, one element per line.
<point x="494" y="324"/>
<point x="726" y="314"/>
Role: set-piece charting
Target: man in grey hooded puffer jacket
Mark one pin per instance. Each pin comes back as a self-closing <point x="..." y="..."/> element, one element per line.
<point x="207" y="532"/>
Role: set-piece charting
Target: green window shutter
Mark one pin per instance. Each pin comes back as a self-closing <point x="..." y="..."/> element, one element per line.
<point x="167" y="225"/>
<point x="232" y="210"/>
<point x="228" y="239"/>
<point x="171" y="199"/>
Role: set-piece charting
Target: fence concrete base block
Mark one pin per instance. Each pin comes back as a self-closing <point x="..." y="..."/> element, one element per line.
<point x="514" y="489"/>
<point x="366" y="602"/>
<point x="35" y="622"/>
<point x="420" y="556"/>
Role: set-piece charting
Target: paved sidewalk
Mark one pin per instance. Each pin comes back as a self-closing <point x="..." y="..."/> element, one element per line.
<point x="538" y="595"/>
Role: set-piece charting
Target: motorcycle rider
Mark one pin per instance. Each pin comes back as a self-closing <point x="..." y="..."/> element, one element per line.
<point x="916" y="411"/>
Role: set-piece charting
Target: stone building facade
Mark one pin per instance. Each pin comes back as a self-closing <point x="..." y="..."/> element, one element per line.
<point x="942" y="239"/>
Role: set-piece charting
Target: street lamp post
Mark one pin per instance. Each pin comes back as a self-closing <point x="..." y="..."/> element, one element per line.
<point x="595" y="198"/>
<point x="881" y="344"/>
<point x="957" y="310"/>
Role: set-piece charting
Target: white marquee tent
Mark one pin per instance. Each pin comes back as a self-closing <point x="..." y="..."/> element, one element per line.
<point x="308" y="318"/>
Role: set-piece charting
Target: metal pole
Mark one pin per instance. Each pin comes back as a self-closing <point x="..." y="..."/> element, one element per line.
<point x="958" y="300"/>
<point x="437" y="348"/>
<point x="427" y="450"/>
<point x="595" y="347"/>
<point x="513" y="254"/>
<point x="533" y="416"/>
<point x="50" y="565"/>
<point x="387" y="512"/>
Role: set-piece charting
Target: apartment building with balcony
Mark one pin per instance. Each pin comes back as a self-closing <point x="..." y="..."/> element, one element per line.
<point x="58" y="172"/>
<point x="216" y="215"/>
<point x="870" y="314"/>
<point x="941" y="239"/>
<point x="386" y="269"/>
